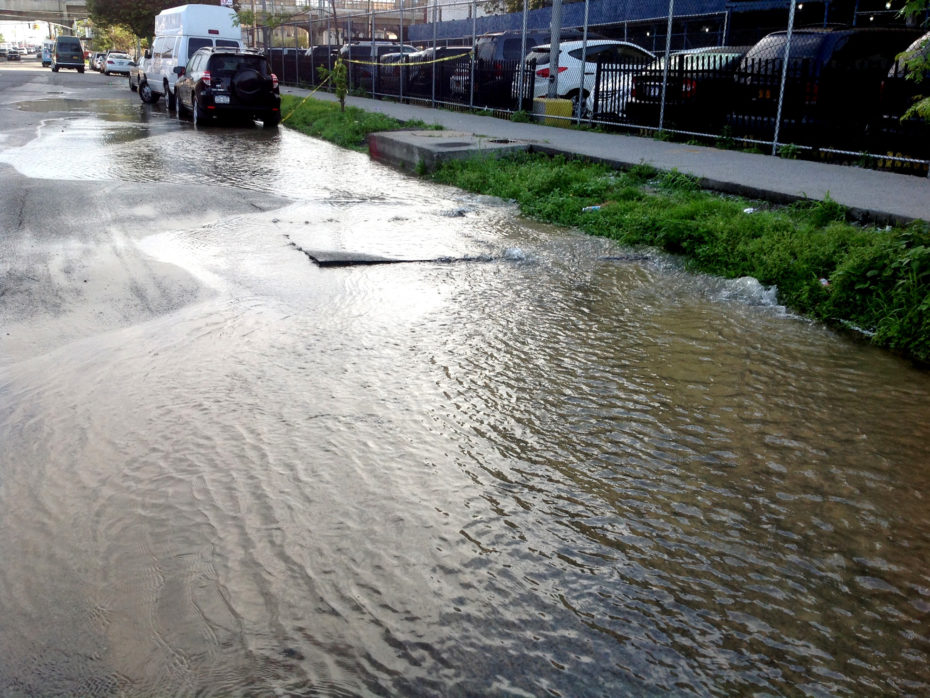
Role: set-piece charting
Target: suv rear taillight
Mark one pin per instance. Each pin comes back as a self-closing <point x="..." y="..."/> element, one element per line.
<point x="274" y="81"/>
<point x="688" y="88"/>
<point x="544" y="72"/>
<point x="206" y="78"/>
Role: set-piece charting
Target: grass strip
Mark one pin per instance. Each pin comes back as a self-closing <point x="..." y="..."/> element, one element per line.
<point x="873" y="280"/>
<point x="347" y="129"/>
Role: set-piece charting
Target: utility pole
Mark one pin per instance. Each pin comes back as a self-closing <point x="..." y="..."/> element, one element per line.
<point x="555" y="32"/>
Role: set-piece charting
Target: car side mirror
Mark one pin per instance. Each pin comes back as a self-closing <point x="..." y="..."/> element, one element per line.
<point x="179" y="70"/>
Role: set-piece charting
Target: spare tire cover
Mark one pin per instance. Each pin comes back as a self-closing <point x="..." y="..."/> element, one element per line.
<point x="247" y="84"/>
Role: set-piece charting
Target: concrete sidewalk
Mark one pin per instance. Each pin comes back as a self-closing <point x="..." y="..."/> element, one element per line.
<point x="878" y="196"/>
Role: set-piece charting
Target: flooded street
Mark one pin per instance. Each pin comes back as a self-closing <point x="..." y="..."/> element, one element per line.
<point x="539" y="464"/>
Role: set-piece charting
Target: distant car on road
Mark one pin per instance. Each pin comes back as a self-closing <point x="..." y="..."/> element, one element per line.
<point x="116" y="62"/>
<point x="48" y="47"/>
<point x="13" y="55"/>
<point x="96" y="60"/>
<point x="68" y="53"/>
<point x="228" y="82"/>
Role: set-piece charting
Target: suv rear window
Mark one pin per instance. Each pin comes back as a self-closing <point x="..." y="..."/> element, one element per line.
<point x="228" y="63"/>
<point x="512" y="48"/>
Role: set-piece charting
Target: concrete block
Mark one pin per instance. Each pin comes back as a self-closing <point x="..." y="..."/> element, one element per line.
<point x="417" y="151"/>
<point x="544" y="107"/>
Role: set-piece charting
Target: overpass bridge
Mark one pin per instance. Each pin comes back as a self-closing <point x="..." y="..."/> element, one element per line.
<point x="55" y="11"/>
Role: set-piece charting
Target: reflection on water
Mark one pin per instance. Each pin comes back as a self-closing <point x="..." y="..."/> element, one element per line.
<point x="556" y="473"/>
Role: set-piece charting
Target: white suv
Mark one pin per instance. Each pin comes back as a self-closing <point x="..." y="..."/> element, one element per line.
<point x="570" y="66"/>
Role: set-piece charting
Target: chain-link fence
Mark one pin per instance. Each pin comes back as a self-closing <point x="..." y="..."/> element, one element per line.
<point x="819" y="79"/>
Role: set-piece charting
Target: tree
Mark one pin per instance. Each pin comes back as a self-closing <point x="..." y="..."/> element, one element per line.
<point x="508" y="6"/>
<point x="137" y="16"/>
<point x="918" y="63"/>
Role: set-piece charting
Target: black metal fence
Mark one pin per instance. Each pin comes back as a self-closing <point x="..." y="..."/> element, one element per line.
<point x="692" y="80"/>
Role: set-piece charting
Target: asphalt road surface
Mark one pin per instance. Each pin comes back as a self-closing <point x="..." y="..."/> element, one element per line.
<point x="69" y="263"/>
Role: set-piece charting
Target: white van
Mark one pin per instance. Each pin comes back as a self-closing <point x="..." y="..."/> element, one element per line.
<point x="179" y="31"/>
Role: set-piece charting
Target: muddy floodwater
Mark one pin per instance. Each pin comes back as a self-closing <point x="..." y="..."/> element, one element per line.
<point x="539" y="464"/>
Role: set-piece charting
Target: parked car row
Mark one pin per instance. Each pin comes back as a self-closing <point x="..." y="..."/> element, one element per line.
<point x="216" y="82"/>
<point x="843" y="87"/>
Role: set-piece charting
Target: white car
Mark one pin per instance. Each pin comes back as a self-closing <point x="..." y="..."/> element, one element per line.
<point x="572" y="80"/>
<point x="116" y="62"/>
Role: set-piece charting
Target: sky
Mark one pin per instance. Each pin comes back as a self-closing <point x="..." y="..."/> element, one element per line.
<point x="23" y="31"/>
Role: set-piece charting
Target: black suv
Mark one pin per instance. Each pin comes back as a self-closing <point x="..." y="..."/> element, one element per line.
<point x="833" y="80"/>
<point x="221" y="81"/>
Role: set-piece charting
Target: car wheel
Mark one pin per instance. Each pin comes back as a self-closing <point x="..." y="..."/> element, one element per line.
<point x="272" y="119"/>
<point x="54" y="68"/>
<point x="107" y="73"/>
<point x="199" y="115"/>
<point x="574" y="96"/>
<point x="146" y="94"/>
<point x="171" y="100"/>
<point x="81" y="71"/>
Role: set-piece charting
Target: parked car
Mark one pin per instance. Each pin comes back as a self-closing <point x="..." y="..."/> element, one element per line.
<point x="228" y="82"/>
<point x="96" y="60"/>
<point x="48" y="47"/>
<point x="137" y="73"/>
<point x="699" y="84"/>
<point x="498" y="57"/>
<point x="832" y="85"/>
<point x="13" y="55"/>
<point x="892" y="133"/>
<point x="434" y="65"/>
<point x="362" y="59"/>
<point x="116" y="62"/>
<point x="576" y="79"/>
<point x="68" y="53"/>
<point x="390" y="68"/>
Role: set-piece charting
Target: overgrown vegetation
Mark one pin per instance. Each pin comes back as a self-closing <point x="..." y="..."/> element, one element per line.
<point x="347" y="128"/>
<point x="876" y="280"/>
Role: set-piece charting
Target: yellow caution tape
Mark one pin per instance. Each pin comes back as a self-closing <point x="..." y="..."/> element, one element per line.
<point x="300" y="104"/>
<point x="402" y="63"/>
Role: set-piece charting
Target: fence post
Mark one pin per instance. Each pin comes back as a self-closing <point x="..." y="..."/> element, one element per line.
<point x="435" y="8"/>
<point x="584" y="61"/>
<point x="474" y="58"/>
<point x="668" y="46"/>
<point x="555" y="36"/>
<point x="521" y="87"/>
<point x="784" y="75"/>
